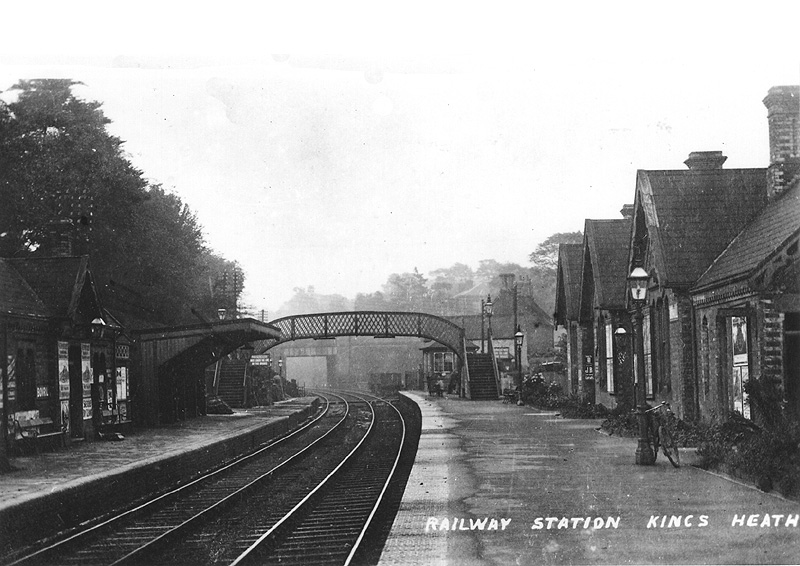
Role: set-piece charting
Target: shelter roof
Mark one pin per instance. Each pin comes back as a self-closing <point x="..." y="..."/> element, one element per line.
<point x="568" y="282"/>
<point x="777" y="224"/>
<point x="692" y="215"/>
<point x="56" y="281"/>
<point x="606" y="242"/>
<point x="16" y="296"/>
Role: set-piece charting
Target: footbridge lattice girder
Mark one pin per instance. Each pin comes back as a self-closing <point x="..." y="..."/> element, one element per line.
<point x="380" y="324"/>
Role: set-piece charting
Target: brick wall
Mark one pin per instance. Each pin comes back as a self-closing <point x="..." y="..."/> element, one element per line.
<point x="682" y="358"/>
<point x="770" y="342"/>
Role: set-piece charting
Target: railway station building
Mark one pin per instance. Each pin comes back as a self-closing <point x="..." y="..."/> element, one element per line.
<point x="719" y="247"/>
<point x="74" y="372"/>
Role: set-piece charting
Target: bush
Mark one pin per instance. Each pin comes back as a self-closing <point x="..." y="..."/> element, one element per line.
<point x="621" y="423"/>
<point x="625" y="422"/>
<point x="765" y="451"/>
<point x="550" y="395"/>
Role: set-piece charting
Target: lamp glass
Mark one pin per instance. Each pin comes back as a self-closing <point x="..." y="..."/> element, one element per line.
<point x="519" y="337"/>
<point x="488" y="305"/>
<point x="637" y="282"/>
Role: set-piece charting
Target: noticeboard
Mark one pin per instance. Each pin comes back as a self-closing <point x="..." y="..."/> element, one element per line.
<point x="260" y="360"/>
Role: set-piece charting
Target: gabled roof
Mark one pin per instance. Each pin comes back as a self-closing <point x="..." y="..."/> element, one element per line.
<point x="502" y="324"/>
<point x="568" y="282"/>
<point x="606" y="245"/>
<point x="480" y="290"/>
<point x="57" y="281"/>
<point x="774" y="227"/>
<point x="16" y="296"/>
<point x="692" y="216"/>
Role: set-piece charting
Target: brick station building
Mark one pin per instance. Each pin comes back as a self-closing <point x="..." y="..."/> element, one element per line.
<point x="723" y="304"/>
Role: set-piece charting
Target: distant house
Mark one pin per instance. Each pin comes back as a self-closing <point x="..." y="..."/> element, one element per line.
<point x="470" y="301"/>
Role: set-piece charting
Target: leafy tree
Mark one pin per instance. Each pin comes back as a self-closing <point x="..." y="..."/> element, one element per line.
<point x="61" y="168"/>
<point x="545" y="256"/>
<point x="371" y="302"/>
<point x="60" y="164"/>
<point x="308" y="301"/>
<point x="407" y="291"/>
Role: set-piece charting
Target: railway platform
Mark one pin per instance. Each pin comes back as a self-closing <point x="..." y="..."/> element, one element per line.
<point x="495" y="483"/>
<point x="52" y="491"/>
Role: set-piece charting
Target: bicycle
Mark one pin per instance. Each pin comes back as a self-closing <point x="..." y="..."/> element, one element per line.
<point x="660" y="426"/>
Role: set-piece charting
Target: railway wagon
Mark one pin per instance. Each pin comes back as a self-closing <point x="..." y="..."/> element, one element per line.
<point x="385" y="383"/>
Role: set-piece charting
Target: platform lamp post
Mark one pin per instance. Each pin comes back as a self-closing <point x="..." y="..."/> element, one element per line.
<point x="5" y="466"/>
<point x="280" y="375"/>
<point x="637" y="283"/>
<point x="221" y="313"/>
<point x="519" y="339"/>
<point x="620" y="350"/>
<point x="488" y="308"/>
<point x="483" y="322"/>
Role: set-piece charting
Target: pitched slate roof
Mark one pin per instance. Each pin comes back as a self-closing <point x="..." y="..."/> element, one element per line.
<point x="16" y="296"/>
<point x="607" y="243"/>
<point x="692" y="215"/>
<point x="479" y="290"/>
<point x="753" y="246"/>
<point x="568" y="282"/>
<point x="57" y="281"/>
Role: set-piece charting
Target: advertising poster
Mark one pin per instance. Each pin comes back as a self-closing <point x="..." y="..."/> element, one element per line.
<point x="122" y="383"/>
<point x="12" y="377"/>
<point x="86" y="379"/>
<point x="64" y="417"/>
<point x="63" y="370"/>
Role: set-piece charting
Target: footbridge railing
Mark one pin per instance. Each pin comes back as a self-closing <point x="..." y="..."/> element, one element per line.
<point x="380" y="324"/>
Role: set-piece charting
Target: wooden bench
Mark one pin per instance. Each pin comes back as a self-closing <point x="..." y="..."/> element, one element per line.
<point x="32" y="432"/>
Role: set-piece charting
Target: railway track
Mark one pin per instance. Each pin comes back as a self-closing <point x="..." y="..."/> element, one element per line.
<point x="259" y="506"/>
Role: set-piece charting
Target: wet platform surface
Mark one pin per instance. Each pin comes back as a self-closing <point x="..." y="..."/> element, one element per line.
<point x="501" y="484"/>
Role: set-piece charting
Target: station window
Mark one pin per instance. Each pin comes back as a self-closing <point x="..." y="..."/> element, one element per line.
<point x="442" y="362"/>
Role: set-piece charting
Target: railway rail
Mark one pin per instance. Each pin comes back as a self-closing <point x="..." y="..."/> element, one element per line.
<point x="279" y="503"/>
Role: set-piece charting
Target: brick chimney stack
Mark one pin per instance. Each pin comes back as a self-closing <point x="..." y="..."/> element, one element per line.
<point x="705" y="160"/>
<point x="627" y="211"/>
<point x="783" y="116"/>
<point x="507" y="280"/>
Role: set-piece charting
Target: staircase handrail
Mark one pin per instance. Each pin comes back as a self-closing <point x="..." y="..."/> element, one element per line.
<point x="465" y="379"/>
<point x="217" y="368"/>
<point x="244" y="382"/>
<point x="495" y="369"/>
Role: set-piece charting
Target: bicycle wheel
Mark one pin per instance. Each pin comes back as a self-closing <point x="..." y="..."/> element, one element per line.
<point x="669" y="446"/>
<point x="652" y="436"/>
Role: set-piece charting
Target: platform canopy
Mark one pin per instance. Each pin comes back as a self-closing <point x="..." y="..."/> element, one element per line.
<point x="164" y="358"/>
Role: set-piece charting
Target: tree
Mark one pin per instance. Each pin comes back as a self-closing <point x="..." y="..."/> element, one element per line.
<point x="545" y="256"/>
<point x="60" y="164"/>
<point x="407" y="291"/>
<point x="545" y="264"/>
<point x="61" y="168"/>
<point x="371" y="302"/>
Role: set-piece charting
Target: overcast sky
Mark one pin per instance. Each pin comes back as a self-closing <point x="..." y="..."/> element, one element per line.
<point x="331" y="146"/>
